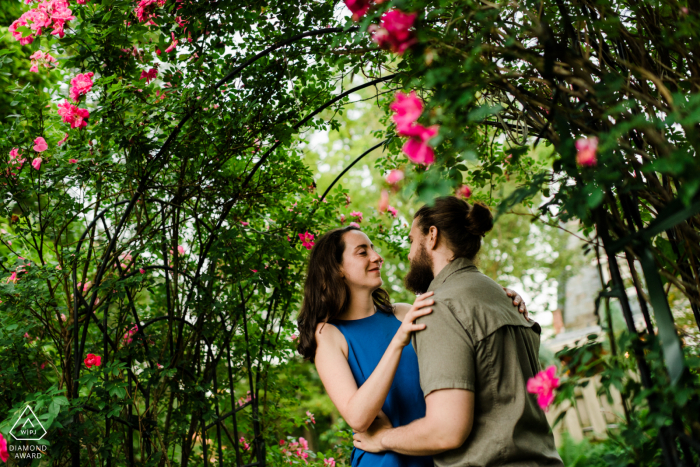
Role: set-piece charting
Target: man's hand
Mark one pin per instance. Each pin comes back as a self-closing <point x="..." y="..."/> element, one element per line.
<point x="517" y="301"/>
<point x="371" y="440"/>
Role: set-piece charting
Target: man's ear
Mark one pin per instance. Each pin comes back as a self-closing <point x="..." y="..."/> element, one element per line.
<point x="432" y="240"/>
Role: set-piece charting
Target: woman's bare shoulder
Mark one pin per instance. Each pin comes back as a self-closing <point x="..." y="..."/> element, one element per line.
<point x="400" y="310"/>
<point x="329" y="337"/>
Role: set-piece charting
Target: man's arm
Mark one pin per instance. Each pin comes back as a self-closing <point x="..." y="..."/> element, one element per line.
<point x="446" y="425"/>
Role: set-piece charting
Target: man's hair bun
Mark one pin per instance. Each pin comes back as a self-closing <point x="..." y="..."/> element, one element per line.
<point x="479" y="219"/>
<point x="459" y="224"/>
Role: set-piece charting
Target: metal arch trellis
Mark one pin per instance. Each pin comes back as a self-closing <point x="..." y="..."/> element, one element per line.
<point x="86" y="308"/>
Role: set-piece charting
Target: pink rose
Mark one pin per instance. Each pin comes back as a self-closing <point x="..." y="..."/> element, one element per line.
<point x="307" y="240"/>
<point x="81" y="85"/>
<point x="393" y="211"/>
<point x="92" y="360"/>
<point x="394" y="176"/>
<point x="72" y="161"/>
<point x="40" y="144"/>
<point x="394" y="32"/>
<point x="587" y="149"/>
<point x="543" y="384"/>
<point x="407" y="108"/>
<point x="463" y="192"/>
<point x="354" y="224"/>
<point x="330" y="462"/>
<point x="359" y="8"/>
<point x="417" y="148"/>
<point x="36" y="163"/>
<point x="4" y="455"/>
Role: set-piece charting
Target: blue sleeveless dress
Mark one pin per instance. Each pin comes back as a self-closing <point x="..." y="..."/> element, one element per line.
<point x="368" y="338"/>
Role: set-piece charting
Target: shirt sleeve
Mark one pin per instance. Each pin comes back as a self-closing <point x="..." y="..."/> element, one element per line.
<point x="445" y="350"/>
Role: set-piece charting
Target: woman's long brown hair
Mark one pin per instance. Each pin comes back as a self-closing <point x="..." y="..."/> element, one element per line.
<point x="326" y="295"/>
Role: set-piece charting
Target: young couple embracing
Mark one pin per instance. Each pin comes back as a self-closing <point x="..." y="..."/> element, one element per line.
<point x="440" y="382"/>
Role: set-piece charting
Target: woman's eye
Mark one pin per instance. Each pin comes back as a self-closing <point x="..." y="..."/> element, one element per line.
<point x="363" y="252"/>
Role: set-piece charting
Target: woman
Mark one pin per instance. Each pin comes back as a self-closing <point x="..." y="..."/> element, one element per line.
<point x="359" y="340"/>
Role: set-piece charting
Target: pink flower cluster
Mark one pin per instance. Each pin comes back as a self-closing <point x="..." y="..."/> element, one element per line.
<point x="307" y="240"/>
<point x="543" y="384"/>
<point x="243" y="443"/>
<point x="16" y="158"/>
<point x="330" y="462"/>
<point x="407" y="108"/>
<point x="242" y="402"/>
<point x="81" y="85"/>
<point x="92" y="360"/>
<point x="72" y="114"/>
<point x="393" y="32"/>
<point x="53" y="13"/>
<point x="127" y="337"/>
<point x="41" y="58"/>
<point x="310" y="417"/>
<point x="587" y="149"/>
<point x="357" y="215"/>
<point x="296" y="448"/>
<point x="145" y="10"/>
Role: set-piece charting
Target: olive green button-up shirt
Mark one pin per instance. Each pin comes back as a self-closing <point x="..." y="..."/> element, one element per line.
<point x="475" y="339"/>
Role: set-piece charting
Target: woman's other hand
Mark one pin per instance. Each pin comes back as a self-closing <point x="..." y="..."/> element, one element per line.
<point x="419" y="308"/>
<point x="517" y="301"/>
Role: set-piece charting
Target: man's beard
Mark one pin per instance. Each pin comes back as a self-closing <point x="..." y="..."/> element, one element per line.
<point x="420" y="275"/>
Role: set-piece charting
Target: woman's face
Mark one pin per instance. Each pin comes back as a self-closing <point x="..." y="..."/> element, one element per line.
<point x="362" y="265"/>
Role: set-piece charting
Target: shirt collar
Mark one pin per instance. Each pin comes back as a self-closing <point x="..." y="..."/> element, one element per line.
<point x="452" y="267"/>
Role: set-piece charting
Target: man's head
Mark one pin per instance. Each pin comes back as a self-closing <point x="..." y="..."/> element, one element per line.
<point x="449" y="229"/>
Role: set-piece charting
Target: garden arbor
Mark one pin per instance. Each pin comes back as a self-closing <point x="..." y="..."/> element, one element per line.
<point x="160" y="232"/>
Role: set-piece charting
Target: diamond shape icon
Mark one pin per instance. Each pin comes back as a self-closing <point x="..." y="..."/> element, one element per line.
<point x="28" y="427"/>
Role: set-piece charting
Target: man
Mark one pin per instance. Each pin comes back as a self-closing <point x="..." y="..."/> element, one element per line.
<point x="475" y="355"/>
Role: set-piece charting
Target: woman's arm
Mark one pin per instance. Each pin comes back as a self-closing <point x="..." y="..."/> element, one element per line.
<point x="360" y="406"/>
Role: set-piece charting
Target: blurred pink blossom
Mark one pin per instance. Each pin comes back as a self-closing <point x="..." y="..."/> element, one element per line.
<point x="394" y="176"/>
<point x="357" y="215"/>
<point x="359" y="8"/>
<point x="587" y="149"/>
<point x="40" y="145"/>
<point x="543" y="384"/>
<point x="407" y="108"/>
<point x="463" y="192"/>
<point x="383" y="201"/>
<point x="417" y="148"/>
<point x="393" y="33"/>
